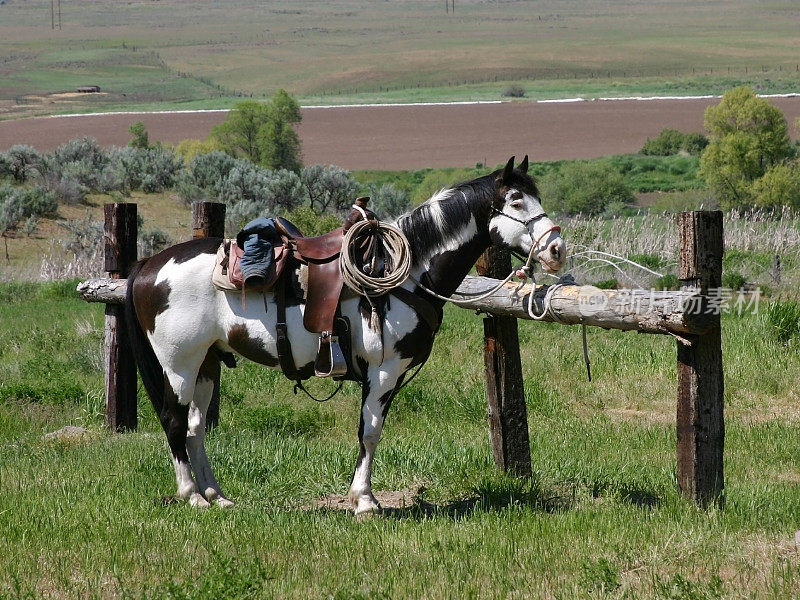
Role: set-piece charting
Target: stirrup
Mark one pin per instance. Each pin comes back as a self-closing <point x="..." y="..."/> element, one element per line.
<point x="330" y="360"/>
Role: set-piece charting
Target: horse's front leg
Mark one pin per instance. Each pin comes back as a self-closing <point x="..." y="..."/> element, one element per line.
<point x="377" y="392"/>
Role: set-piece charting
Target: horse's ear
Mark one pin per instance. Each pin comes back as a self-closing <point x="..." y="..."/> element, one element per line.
<point x="523" y="166"/>
<point x="508" y="170"/>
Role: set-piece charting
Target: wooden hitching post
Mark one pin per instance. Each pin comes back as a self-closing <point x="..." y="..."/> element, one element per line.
<point x="208" y="220"/>
<point x="700" y="419"/>
<point x="508" y="416"/>
<point x="119" y="256"/>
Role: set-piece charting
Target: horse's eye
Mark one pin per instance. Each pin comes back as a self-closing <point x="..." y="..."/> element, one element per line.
<point x="517" y="204"/>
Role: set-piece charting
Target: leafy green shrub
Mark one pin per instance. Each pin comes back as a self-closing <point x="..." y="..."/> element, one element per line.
<point x="328" y="188"/>
<point x="36" y="200"/>
<point x="74" y="169"/>
<point x="733" y="280"/>
<point x="748" y="136"/>
<point x="5" y="166"/>
<point x="66" y="187"/>
<point x="657" y="173"/>
<point x="21" y="162"/>
<point x="779" y="186"/>
<point x="263" y="132"/>
<point x="83" y="149"/>
<point x="585" y="187"/>
<point x="783" y="320"/>
<point x="20" y="203"/>
<point x="672" y="141"/>
<point x="191" y="148"/>
<point x="139" y="136"/>
<point x="152" y="241"/>
<point x="388" y="202"/>
<point x="311" y="224"/>
<point x="513" y="91"/>
<point x="607" y="284"/>
<point x="209" y="171"/>
<point x="151" y="170"/>
<point x="251" y="191"/>
<point x="438" y="180"/>
<point x="617" y="209"/>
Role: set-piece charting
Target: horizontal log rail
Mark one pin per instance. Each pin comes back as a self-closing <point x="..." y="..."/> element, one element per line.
<point x="648" y="311"/>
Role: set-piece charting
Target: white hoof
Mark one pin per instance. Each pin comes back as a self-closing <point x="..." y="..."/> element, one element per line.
<point x="197" y="501"/>
<point x="214" y="496"/>
<point x="365" y="504"/>
<point x="223" y="502"/>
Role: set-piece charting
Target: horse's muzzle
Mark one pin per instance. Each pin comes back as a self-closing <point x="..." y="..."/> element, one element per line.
<point x="554" y="255"/>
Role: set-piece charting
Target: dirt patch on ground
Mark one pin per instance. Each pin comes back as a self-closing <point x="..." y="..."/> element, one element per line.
<point x="389" y="500"/>
<point x="417" y="136"/>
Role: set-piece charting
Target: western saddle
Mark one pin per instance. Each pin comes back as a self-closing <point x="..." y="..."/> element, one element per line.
<point x="320" y="257"/>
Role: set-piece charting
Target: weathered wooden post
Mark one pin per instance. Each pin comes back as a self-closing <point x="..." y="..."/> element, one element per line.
<point x="508" y="416"/>
<point x="121" y="230"/>
<point x="208" y="220"/>
<point x="701" y="425"/>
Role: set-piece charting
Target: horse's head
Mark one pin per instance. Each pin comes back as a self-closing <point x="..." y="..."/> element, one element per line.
<point x="518" y="220"/>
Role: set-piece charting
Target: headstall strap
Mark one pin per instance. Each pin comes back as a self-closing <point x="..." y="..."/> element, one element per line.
<point x="541" y="215"/>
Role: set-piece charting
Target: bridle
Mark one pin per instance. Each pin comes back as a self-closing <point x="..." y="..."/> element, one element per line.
<point x="529" y="226"/>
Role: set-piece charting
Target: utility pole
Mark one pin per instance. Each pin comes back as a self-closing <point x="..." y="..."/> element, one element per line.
<point x="52" y="14"/>
<point x="59" y="14"/>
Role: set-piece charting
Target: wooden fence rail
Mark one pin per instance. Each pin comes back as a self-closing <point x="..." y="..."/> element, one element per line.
<point x="687" y="314"/>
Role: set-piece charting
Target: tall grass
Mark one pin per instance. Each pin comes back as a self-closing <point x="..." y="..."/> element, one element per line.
<point x="752" y="240"/>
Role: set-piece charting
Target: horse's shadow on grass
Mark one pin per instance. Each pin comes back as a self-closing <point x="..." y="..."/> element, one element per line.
<point x="495" y="494"/>
<point x="488" y="496"/>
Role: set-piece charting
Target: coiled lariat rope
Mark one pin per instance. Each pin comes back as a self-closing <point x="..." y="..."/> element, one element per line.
<point x="358" y="275"/>
<point x="397" y="253"/>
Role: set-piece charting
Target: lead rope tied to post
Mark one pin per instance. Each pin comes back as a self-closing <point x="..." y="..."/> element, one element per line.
<point x="547" y="310"/>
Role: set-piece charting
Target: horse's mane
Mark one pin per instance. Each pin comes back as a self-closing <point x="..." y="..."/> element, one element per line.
<point x="448" y="211"/>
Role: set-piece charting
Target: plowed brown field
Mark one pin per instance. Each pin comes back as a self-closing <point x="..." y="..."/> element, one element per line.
<point x="417" y="136"/>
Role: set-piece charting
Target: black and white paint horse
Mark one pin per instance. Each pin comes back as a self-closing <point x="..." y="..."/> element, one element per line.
<point x="181" y="324"/>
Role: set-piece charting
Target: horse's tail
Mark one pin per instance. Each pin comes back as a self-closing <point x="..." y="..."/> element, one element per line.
<point x="151" y="370"/>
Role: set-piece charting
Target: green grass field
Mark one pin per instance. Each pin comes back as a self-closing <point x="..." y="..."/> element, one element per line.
<point x="600" y="518"/>
<point x="203" y="54"/>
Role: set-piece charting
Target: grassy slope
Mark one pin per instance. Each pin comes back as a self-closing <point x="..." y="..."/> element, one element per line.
<point x="601" y="517"/>
<point x="174" y="53"/>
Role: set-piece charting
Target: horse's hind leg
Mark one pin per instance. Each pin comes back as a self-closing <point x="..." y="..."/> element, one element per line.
<point x="195" y="440"/>
<point x="175" y="421"/>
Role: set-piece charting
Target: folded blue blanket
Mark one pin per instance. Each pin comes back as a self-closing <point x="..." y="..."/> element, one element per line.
<point x="257" y="239"/>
